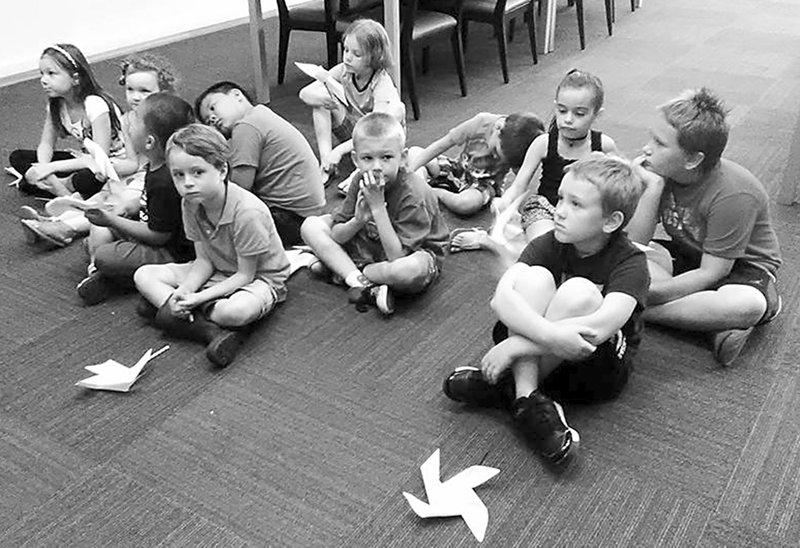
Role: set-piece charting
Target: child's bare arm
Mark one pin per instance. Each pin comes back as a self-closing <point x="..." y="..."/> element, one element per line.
<point x="430" y="152"/>
<point x="131" y="228"/>
<point x="608" y="146"/>
<point x="609" y="318"/>
<point x="372" y="188"/>
<point x="711" y="270"/>
<point x="642" y="225"/>
<point x="533" y="157"/>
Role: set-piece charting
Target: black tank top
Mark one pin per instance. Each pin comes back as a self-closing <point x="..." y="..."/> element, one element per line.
<point x="553" y="164"/>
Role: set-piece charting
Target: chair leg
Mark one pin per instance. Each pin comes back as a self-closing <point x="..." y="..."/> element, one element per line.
<point x="531" y="17"/>
<point x="581" y="30"/>
<point x="408" y="61"/>
<point x="500" y="33"/>
<point x="458" y="52"/>
<point x="426" y="59"/>
<point x="333" y="48"/>
<point x="633" y="5"/>
<point x="283" y="47"/>
<point x="610" y="16"/>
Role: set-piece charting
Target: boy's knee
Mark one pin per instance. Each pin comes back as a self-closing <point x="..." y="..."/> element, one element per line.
<point x="230" y="314"/>
<point x="315" y="226"/>
<point x="579" y="296"/>
<point x="144" y="274"/>
<point x="536" y="278"/>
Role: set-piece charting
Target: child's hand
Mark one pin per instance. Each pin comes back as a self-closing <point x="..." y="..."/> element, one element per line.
<point x="650" y="179"/>
<point x="498" y="359"/>
<point x="372" y="185"/>
<point x="100" y="215"/>
<point x="181" y="303"/>
<point x="330" y="160"/>
<point x="571" y="342"/>
<point x="362" y="213"/>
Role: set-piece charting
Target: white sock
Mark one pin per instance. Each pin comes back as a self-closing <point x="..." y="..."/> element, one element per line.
<point x="356" y="279"/>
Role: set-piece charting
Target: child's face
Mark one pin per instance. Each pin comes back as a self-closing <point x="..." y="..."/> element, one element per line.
<point x="138" y="86"/>
<point x="356" y="60"/>
<point x="222" y="110"/>
<point x="663" y="155"/>
<point x="575" y="112"/>
<point x="385" y="154"/>
<point x="55" y="81"/>
<point x="494" y="138"/>
<point x="579" y="218"/>
<point x="195" y="179"/>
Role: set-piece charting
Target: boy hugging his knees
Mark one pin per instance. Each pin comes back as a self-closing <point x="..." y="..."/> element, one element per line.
<point x="241" y="268"/>
<point x="717" y="272"/>
<point x="388" y="235"/>
<point x="569" y="311"/>
<point x="492" y="145"/>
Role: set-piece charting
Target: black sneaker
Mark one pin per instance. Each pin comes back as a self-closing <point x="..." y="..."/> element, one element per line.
<point x="379" y="296"/>
<point x="94" y="289"/>
<point x="542" y="422"/>
<point x="222" y="350"/>
<point x="146" y="309"/>
<point x="467" y="385"/>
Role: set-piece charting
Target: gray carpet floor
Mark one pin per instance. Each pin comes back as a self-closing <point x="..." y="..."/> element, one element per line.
<point x="312" y="435"/>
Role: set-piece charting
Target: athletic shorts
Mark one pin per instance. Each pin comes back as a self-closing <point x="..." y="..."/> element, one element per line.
<point x="600" y="377"/>
<point x="742" y="273"/>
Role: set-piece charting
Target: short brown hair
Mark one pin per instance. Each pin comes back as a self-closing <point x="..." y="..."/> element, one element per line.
<point x="620" y="188"/>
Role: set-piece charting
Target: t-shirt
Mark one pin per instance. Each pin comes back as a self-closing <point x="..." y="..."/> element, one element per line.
<point x="413" y="211"/>
<point x="287" y="172"/>
<point x="245" y="229"/>
<point x="161" y="210"/>
<point x="726" y="215"/>
<point x="380" y="89"/>
<point x="94" y="106"/>
<point x="477" y="159"/>
<point x="620" y="267"/>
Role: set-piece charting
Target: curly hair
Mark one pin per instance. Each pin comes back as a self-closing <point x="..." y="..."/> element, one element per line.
<point x="517" y="134"/>
<point x="147" y="62"/>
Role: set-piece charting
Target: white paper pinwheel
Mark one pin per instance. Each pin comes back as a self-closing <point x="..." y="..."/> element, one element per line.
<point x="454" y="497"/>
<point x="112" y="375"/>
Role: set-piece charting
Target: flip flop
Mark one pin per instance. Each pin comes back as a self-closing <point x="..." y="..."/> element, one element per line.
<point x="466" y="239"/>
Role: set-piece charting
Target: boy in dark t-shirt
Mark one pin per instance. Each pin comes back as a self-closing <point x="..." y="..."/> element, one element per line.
<point x="569" y="311"/>
<point x="388" y="235"/>
<point x="118" y="245"/>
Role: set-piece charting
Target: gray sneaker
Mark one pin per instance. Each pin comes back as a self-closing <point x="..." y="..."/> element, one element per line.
<point x="728" y="345"/>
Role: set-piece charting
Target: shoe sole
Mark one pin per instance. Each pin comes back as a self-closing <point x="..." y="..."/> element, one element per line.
<point x="27" y="212"/>
<point x="384" y="300"/>
<point x="726" y="359"/>
<point x="31" y="236"/>
<point x="93" y="290"/>
<point x="574" y="443"/>
<point x="222" y="351"/>
<point x="44" y="236"/>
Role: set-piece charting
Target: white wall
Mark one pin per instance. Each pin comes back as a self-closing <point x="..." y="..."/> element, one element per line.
<point x="104" y="28"/>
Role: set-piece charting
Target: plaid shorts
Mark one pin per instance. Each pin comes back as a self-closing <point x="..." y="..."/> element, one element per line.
<point x="536" y="208"/>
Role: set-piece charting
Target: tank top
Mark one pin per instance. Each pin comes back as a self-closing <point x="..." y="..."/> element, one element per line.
<point x="553" y="164"/>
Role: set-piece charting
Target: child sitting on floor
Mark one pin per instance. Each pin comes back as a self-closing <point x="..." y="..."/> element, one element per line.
<point x="269" y="157"/>
<point x="578" y="104"/>
<point x="77" y="106"/>
<point x="717" y="271"/>
<point x="240" y="271"/>
<point x="365" y="75"/>
<point x="569" y="311"/>
<point x="119" y="245"/>
<point x="388" y="235"/>
<point x="142" y="75"/>
<point x="492" y="144"/>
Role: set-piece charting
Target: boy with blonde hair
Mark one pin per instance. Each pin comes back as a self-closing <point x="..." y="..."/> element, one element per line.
<point x="569" y="311"/>
<point x="717" y="273"/>
<point x="388" y="235"/>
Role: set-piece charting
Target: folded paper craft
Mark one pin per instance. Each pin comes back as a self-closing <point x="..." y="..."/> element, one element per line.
<point x="454" y="497"/>
<point x="112" y="375"/>
<point x="16" y="174"/>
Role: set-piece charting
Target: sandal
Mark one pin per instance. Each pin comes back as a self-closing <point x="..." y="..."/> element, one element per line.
<point x="467" y="239"/>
